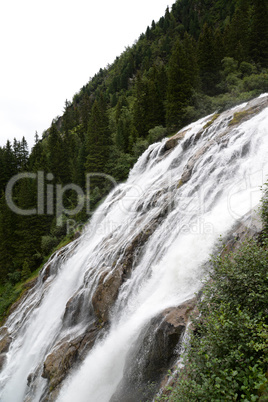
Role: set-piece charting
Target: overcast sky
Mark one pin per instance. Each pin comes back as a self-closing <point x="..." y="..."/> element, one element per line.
<point x="51" y="48"/>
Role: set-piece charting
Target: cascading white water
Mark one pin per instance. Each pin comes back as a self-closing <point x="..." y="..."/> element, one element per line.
<point x="223" y="185"/>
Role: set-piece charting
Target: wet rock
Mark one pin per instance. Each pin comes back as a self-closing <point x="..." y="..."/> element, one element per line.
<point x="46" y="272"/>
<point x="133" y="249"/>
<point x="5" y="341"/>
<point x="77" y="309"/>
<point x="173" y="141"/>
<point x="153" y="354"/>
<point x="106" y="293"/>
<point x="3" y="359"/>
<point x="58" y="363"/>
<point x="109" y="282"/>
<point x="187" y="172"/>
<point x="249" y="227"/>
<point x="67" y="354"/>
<point x="31" y="377"/>
<point x="252" y="108"/>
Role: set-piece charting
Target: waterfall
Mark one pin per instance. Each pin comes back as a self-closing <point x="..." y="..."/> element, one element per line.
<point x="144" y="250"/>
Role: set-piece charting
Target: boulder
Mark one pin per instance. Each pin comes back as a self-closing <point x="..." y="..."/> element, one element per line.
<point x="187" y="172"/>
<point x="46" y="272"/>
<point x="174" y="140"/>
<point x="153" y="354"/>
<point x="67" y="354"/>
<point x="78" y="309"/>
<point x="106" y="293"/>
<point x="109" y="282"/>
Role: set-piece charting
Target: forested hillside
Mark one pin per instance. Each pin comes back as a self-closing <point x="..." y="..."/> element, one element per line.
<point x="201" y="56"/>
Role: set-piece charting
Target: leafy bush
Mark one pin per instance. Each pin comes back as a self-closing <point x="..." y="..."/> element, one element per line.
<point x="247" y="68"/>
<point x="256" y="81"/>
<point x="264" y="209"/>
<point x="156" y="134"/>
<point x="14" y="277"/>
<point x="140" y="146"/>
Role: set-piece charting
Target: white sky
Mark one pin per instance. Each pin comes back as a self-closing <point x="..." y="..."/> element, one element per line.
<point x="50" y="48"/>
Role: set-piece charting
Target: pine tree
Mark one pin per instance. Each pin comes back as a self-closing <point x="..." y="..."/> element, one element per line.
<point x="8" y="238"/>
<point x="24" y="154"/>
<point x="98" y="139"/>
<point x="259" y="33"/>
<point x="25" y="272"/>
<point x="238" y="33"/>
<point x="141" y="106"/>
<point x="182" y="79"/>
<point x="207" y="61"/>
<point x="58" y="162"/>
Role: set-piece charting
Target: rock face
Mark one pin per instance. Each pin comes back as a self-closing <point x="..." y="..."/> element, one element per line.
<point x="251" y="109"/>
<point x="154" y="354"/>
<point x="5" y="341"/>
<point x="174" y="140"/>
<point x="249" y="227"/>
<point x="187" y="172"/>
<point x="106" y="293"/>
<point x="68" y="353"/>
<point x="109" y="282"/>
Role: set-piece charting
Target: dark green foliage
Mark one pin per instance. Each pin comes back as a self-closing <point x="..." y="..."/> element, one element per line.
<point x="237" y="35"/>
<point x="259" y="33"/>
<point x="48" y="243"/>
<point x="98" y="138"/>
<point x="264" y="209"/>
<point x="25" y="272"/>
<point x="182" y="80"/>
<point x="207" y="60"/>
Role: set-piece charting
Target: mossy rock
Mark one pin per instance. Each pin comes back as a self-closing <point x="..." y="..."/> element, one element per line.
<point x="241" y="116"/>
<point x="210" y="122"/>
<point x="180" y="183"/>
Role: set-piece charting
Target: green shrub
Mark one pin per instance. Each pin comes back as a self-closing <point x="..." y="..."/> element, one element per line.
<point x="247" y="68"/>
<point x="139" y="147"/>
<point x="156" y="134"/>
<point x="14" y="277"/>
<point x="256" y="81"/>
